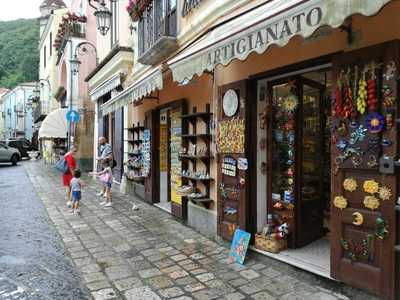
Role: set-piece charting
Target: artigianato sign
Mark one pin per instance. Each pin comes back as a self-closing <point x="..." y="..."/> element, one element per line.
<point x="275" y="33"/>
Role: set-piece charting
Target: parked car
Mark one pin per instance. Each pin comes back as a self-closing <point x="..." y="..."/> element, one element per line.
<point x="9" y="154"/>
<point x="23" y="145"/>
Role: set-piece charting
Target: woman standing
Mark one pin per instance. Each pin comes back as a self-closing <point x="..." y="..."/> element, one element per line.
<point x="71" y="163"/>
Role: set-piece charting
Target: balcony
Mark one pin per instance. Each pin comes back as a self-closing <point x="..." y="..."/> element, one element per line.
<point x="39" y="113"/>
<point x="157" y="32"/>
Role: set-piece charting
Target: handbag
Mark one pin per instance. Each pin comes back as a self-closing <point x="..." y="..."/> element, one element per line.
<point x="104" y="178"/>
<point x="61" y="165"/>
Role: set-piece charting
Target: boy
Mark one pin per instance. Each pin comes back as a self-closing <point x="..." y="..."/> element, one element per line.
<point x="76" y="191"/>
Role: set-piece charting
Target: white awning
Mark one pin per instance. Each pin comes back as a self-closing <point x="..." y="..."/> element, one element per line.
<point x="144" y="85"/>
<point x="54" y="125"/>
<point x="273" y="23"/>
<point x="105" y="87"/>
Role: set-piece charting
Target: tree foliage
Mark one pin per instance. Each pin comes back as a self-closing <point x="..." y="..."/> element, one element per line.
<point x="19" y="55"/>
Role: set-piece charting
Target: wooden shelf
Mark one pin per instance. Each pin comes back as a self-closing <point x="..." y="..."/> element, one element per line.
<point x="135" y="129"/>
<point x="195" y="157"/>
<point x="197" y="115"/>
<point x="135" y="142"/>
<point x="206" y="137"/>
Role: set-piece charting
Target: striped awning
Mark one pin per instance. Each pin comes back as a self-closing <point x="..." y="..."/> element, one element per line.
<point x="105" y="87"/>
<point x="143" y="86"/>
<point x="273" y="23"/>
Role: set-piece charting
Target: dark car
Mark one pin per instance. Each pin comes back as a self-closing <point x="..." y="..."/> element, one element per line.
<point x="23" y="145"/>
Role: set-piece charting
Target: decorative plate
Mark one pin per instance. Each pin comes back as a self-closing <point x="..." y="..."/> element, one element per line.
<point x="340" y="202"/>
<point x="371" y="186"/>
<point x="350" y="184"/>
<point x="375" y="122"/>
<point x="371" y="202"/>
<point x="230" y="103"/>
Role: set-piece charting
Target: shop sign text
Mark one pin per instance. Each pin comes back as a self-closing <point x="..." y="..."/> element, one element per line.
<point x="189" y="5"/>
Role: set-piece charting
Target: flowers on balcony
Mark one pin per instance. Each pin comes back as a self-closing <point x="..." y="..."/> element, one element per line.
<point x="70" y="23"/>
<point x="135" y="8"/>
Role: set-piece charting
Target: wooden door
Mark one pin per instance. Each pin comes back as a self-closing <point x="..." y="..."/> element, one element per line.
<point x="232" y="147"/>
<point x="364" y="187"/>
<point x="117" y="142"/>
<point x="151" y="182"/>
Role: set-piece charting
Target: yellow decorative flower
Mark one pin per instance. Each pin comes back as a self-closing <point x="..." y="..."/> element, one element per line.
<point x="371" y="186"/>
<point x="340" y="202"/>
<point x="371" y="202"/>
<point x="385" y="193"/>
<point x="350" y="185"/>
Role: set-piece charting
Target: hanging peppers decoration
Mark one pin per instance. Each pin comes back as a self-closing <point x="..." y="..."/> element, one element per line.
<point x="348" y="96"/>
<point x="362" y="94"/>
<point x="371" y="88"/>
<point x="338" y="96"/>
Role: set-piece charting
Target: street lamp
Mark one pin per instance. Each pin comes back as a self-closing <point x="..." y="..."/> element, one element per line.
<point x="75" y="64"/>
<point x="103" y="16"/>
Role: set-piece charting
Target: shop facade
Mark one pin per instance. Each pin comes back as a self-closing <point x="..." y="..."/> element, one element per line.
<point x="282" y="124"/>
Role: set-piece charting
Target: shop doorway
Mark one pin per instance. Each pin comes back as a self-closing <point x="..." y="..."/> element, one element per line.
<point x="293" y="155"/>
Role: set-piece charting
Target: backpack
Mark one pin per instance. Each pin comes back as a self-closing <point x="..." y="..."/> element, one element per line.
<point x="61" y="165"/>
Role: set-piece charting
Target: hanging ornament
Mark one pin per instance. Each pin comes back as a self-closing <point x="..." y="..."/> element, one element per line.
<point x="372" y="161"/>
<point x="358" y="135"/>
<point x="371" y="186"/>
<point x="340" y="202"/>
<point x="388" y="98"/>
<point x="362" y="93"/>
<point x="390" y="70"/>
<point x="350" y="184"/>
<point x="372" y="100"/>
<point x="290" y="103"/>
<point x="342" y="129"/>
<point x="371" y="202"/>
<point x="338" y="96"/>
<point x="385" y="193"/>
<point x="347" y="97"/>
<point x="375" y="122"/>
<point x="389" y="120"/>
<point x="381" y="228"/>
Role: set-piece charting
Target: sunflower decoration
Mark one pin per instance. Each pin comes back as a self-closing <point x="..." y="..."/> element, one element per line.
<point x="289" y="103"/>
<point x="340" y="202"/>
<point x="371" y="186"/>
<point x="350" y="184"/>
<point x="385" y="193"/>
<point x="371" y="202"/>
<point x="375" y="122"/>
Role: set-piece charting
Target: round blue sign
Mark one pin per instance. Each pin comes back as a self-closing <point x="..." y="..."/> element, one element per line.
<point x="73" y="116"/>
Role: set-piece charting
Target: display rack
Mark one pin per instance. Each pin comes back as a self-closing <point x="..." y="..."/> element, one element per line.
<point x="135" y="163"/>
<point x="191" y="157"/>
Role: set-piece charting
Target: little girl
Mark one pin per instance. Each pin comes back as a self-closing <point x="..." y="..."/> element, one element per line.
<point x="106" y="178"/>
<point x="76" y="191"/>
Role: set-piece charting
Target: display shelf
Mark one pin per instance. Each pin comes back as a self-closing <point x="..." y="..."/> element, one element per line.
<point x="206" y="137"/>
<point x="205" y="158"/>
<point x="197" y="178"/>
<point x="197" y="115"/>
<point x="134" y="153"/>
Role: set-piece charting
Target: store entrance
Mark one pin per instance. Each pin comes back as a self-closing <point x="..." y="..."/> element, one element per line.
<point x="296" y="143"/>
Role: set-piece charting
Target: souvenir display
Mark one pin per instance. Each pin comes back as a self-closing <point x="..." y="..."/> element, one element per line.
<point x="146" y="152"/>
<point x="385" y="193"/>
<point x="229" y="166"/>
<point x="371" y="186"/>
<point x="371" y="202"/>
<point x="340" y="202"/>
<point x="381" y="229"/>
<point x="362" y="93"/>
<point x="134" y="163"/>
<point x="242" y="163"/>
<point x="347" y="108"/>
<point x="175" y="162"/>
<point x="289" y="103"/>
<point x="390" y="70"/>
<point x="350" y="184"/>
<point x="230" y="138"/>
<point x="375" y="122"/>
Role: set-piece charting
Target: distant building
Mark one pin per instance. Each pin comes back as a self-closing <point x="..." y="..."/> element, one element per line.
<point x="17" y="120"/>
<point x="3" y="91"/>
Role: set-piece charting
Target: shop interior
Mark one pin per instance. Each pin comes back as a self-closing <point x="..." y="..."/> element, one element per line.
<point x="295" y="143"/>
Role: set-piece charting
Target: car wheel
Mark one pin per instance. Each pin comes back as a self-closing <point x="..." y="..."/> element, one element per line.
<point x="14" y="160"/>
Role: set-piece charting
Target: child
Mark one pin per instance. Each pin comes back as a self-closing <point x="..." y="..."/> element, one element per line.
<point x="76" y="191"/>
<point x="106" y="178"/>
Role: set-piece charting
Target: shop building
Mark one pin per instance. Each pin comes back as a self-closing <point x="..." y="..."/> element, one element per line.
<point x="278" y="118"/>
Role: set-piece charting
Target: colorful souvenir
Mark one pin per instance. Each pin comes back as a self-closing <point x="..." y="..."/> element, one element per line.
<point x="350" y="184"/>
<point x="381" y="229"/>
<point x="356" y="160"/>
<point x="357" y="250"/>
<point x="341" y="145"/>
<point x="342" y="129"/>
<point x="362" y="94"/>
<point x="390" y="70"/>
<point x="372" y="100"/>
<point x="263" y="143"/>
<point x="230" y="136"/>
<point x="347" y="97"/>
<point x="289" y="103"/>
<point x="340" y="202"/>
<point x="371" y="202"/>
<point x="375" y="122"/>
<point x="358" y="219"/>
<point x="338" y="96"/>
<point x="389" y="120"/>
<point x="358" y="135"/>
<point x="278" y="206"/>
<point x="386" y="142"/>
<point x="385" y="193"/>
<point x="371" y="186"/>
<point x="372" y="161"/>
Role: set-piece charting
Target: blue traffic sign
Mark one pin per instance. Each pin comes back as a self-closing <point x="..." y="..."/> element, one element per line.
<point x="73" y="116"/>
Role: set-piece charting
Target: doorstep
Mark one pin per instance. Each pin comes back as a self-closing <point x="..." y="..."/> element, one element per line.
<point x="296" y="262"/>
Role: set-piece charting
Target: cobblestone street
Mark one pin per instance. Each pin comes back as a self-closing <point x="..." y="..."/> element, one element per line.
<point x="146" y="254"/>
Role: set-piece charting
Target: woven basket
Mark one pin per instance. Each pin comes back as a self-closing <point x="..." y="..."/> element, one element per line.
<point x="269" y="244"/>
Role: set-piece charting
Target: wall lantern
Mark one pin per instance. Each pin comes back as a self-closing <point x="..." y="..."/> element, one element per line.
<point x="103" y="16"/>
<point x="75" y="64"/>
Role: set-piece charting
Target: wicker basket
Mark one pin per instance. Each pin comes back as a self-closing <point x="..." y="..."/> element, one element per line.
<point x="269" y="244"/>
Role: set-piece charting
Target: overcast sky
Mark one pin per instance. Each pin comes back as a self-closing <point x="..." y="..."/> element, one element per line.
<point x="16" y="9"/>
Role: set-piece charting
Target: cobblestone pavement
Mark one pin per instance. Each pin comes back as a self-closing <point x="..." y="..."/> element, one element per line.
<point x="33" y="264"/>
<point x="146" y="254"/>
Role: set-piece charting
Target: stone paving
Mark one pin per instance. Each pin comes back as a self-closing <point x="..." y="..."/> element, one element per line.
<point x="147" y="254"/>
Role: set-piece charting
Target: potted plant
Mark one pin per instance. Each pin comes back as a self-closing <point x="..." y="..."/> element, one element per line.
<point x="136" y="8"/>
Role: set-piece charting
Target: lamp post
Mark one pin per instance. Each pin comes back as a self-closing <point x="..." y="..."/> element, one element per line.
<point x="103" y="16"/>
